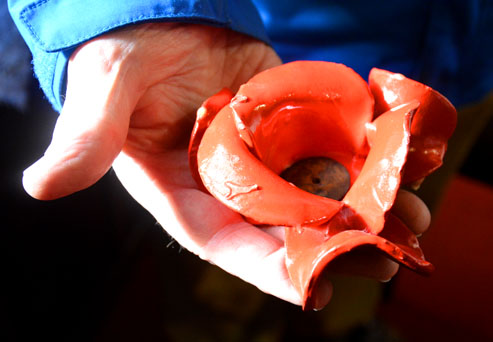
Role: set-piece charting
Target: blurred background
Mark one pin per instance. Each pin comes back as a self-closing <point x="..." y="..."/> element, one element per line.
<point x="95" y="266"/>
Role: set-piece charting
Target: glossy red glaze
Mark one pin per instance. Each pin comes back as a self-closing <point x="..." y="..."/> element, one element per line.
<point x="302" y="110"/>
<point x="374" y="191"/>
<point x="205" y="114"/>
<point x="237" y="178"/>
<point x="311" y="249"/>
<point x="432" y="126"/>
<point x="307" y="109"/>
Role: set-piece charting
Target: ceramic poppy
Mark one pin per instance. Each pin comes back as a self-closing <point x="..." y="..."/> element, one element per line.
<point x="389" y="132"/>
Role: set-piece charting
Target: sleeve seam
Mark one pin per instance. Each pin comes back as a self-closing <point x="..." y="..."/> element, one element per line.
<point x="182" y="16"/>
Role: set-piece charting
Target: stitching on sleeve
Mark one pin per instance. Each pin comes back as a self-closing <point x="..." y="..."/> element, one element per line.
<point x="28" y="9"/>
<point x="132" y="19"/>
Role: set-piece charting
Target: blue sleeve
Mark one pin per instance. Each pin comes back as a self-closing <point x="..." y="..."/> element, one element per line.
<point x="54" y="28"/>
<point x="446" y="44"/>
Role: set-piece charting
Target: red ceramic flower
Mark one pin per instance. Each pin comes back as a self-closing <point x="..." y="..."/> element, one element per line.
<point x="391" y="132"/>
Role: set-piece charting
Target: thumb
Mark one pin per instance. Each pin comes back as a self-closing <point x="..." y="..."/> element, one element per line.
<point x="90" y="130"/>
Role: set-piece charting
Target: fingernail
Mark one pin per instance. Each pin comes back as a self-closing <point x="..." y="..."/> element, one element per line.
<point x="322" y="295"/>
<point x="31" y="177"/>
<point x="28" y="179"/>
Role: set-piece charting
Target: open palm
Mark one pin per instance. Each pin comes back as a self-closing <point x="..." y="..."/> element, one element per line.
<point x="131" y="102"/>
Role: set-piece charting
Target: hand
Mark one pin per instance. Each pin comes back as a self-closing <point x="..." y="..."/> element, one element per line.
<point x="130" y="102"/>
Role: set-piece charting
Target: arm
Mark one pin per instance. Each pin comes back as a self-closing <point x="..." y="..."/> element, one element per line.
<point x="54" y="29"/>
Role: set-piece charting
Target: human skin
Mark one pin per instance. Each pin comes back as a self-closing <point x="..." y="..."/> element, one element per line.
<point x="130" y="103"/>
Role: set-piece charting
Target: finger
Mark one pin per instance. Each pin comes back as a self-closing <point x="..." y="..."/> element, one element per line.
<point x="365" y="262"/>
<point x="322" y="294"/>
<point x="205" y="227"/>
<point x="323" y="288"/>
<point x="90" y="131"/>
<point x="255" y="257"/>
<point x="412" y="211"/>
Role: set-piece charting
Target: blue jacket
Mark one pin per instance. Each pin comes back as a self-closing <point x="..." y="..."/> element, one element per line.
<point x="445" y="43"/>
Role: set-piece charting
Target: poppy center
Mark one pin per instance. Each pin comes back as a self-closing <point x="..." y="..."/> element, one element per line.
<point x="320" y="176"/>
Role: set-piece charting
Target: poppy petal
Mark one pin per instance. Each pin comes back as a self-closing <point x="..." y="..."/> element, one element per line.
<point x="432" y="126"/>
<point x="310" y="250"/>
<point x="233" y="175"/>
<point x="375" y="189"/>
<point x="304" y="109"/>
<point x="205" y="115"/>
